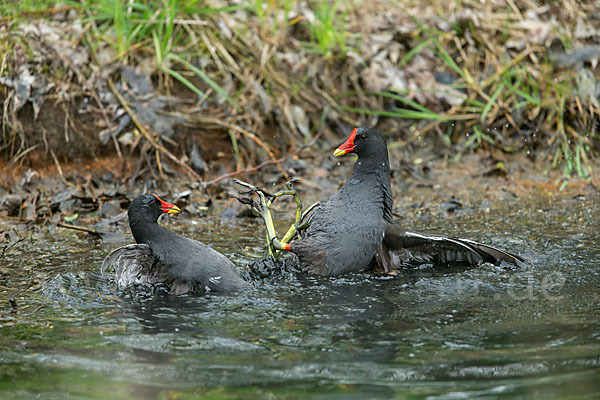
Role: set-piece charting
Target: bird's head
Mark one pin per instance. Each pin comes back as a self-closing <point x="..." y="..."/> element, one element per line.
<point x="150" y="207"/>
<point x="361" y="142"/>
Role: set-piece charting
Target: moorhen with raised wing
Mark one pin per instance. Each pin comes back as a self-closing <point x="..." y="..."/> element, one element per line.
<point x="353" y="230"/>
<point x="161" y="256"/>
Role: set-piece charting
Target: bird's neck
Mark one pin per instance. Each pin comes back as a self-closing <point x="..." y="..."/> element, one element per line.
<point x="148" y="232"/>
<point x="372" y="164"/>
<point x="378" y="168"/>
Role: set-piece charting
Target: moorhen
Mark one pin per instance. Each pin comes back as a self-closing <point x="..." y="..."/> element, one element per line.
<point x="161" y="256"/>
<point x="353" y="230"/>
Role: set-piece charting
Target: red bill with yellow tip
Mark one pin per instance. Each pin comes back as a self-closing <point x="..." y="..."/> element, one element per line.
<point x="167" y="207"/>
<point x="347" y="146"/>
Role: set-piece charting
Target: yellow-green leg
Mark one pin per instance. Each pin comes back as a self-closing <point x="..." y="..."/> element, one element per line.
<point x="302" y="221"/>
<point x="262" y="208"/>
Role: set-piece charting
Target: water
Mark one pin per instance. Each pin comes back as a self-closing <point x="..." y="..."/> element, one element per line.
<point x="437" y="334"/>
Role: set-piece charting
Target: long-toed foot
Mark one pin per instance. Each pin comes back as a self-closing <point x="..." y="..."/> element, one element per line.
<point x="261" y="208"/>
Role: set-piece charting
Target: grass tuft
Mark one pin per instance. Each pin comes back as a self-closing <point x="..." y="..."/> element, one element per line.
<point x="253" y="63"/>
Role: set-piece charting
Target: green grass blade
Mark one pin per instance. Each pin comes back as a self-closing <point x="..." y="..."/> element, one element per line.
<point x="205" y="78"/>
<point x="448" y="60"/>
<point x="530" y="99"/>
<point x="157" y="49"/>
<point x="484" y="136"/>
<point x="414" y="51"/>
<point x="475" y="103"/>
<point x="183" y="80"/>
<point x="388" y="95"/>
<point x="474" y="137"/>
<point x="491" y="102"/>
<point x="404" y="100"/>
<point x="410" y="114"/>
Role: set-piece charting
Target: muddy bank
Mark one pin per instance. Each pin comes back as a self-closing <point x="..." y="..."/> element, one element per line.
<point x="238" y="88"/>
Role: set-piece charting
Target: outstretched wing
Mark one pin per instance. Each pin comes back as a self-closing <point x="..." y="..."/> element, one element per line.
<point x="401" y="249"/>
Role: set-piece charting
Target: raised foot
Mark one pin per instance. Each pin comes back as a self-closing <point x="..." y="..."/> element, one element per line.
<point x="261" y="208"/>
<point x="289" y="184"/>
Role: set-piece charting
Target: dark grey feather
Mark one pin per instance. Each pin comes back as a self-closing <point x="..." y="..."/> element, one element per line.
<point x="400" y="249"/>
<point x="134" y="264"/>
<point x="346" y="229"/>
<point x="161" y="256"/>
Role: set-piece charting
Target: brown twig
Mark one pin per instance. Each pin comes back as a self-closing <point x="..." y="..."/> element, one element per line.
<point x="23" y="153"/>
<point x="59" y="169"/>
<point x="10" y="246"/>
<point x="79" y="228"/>
<point x="157" y="145"/>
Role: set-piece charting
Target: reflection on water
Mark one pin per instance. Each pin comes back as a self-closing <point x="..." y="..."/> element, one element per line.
<point x="481" y="333"/>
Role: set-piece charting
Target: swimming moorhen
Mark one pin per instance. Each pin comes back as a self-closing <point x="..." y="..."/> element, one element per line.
<point x="353" y="230"/>
<point x="161" y="256"/>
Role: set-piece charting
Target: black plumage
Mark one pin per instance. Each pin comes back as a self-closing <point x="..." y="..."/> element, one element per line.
<point x="353" y="230"/>
<point x="401" y="249"/>
<point x="347" y="228"/>
<point x="161" y="256"/>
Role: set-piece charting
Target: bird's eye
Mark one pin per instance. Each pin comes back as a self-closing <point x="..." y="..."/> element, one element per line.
<point x="362" y="137"/>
